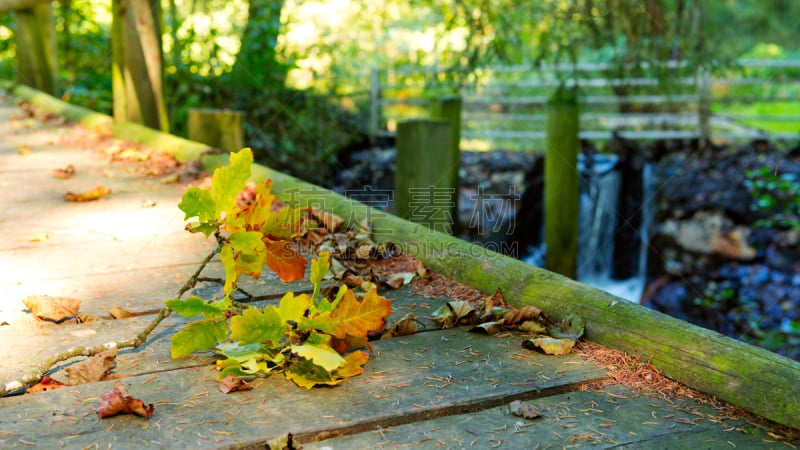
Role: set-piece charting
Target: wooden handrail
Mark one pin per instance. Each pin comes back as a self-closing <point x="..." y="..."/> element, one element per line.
<point x="14" y="5"/>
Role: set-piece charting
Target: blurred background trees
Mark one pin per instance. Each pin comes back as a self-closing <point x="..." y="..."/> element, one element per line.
<point x="299" y="68"/>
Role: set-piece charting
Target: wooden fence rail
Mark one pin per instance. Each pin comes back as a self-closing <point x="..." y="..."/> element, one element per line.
<point x="504" y="108"/>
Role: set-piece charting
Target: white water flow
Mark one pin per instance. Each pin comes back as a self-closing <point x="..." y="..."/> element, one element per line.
<point x="598" y="223"/>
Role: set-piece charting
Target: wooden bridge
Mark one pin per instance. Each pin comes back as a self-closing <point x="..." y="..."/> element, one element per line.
<point x="433" y="389"/>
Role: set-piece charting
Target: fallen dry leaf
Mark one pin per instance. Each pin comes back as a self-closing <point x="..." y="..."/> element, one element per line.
<point x="423" y="270"/>
<point x="40" y="237"/>
<point x="549" y="346"/>
<point x="398" y="280"/>
<point x="405" y="326"/>
<point x="93" y="369"/>
<point x="148" y="203"/>
<point x="57" y="309"/>
<point x="233" y="384"/>
<point x="119" y="402"/>
<point x="64" y="172"/>
<point x="119" y="313"/>
<point x="95" y="193"/>
<point x="47" y="384"/>
<point x="86" y="318"/>
<point x="331" y="222"/>
<point x="524" y="409"/>
<point x="519" y="315"/>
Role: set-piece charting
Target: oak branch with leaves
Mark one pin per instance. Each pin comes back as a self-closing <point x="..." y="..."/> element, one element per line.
<point x="311" y="339"/>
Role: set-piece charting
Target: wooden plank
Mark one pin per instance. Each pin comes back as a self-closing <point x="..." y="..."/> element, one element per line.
<point x="616" y="418"/>
<point x="34" y="345"/>
<point x="425" y="375"/>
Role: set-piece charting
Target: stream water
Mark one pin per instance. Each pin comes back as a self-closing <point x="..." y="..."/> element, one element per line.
<point x="599" y="222"/>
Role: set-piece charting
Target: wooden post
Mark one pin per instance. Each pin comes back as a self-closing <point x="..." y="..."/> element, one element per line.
<point x="704" y="105"/>
<point x="118" y="61"/>
<point x="449" y="110"/>
<point x="36" y="48"/>
<point x="219" y="128"/>
<point x="374" y="106"/>
<point x="561" y="182"/>
<point x="142" y="67"/>
<point x="424" y="192"/>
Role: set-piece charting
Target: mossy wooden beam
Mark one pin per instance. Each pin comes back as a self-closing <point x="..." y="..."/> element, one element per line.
<point x="182" y="149"/>
<point x="752" y="378"/>
<point x="561" y="183"/>
<point x="37" y="65"/>
<point x="13" y="5"/>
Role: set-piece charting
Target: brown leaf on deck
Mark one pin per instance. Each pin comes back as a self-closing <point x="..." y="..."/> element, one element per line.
<point x="93" y="369"/>
<point x="95" y="193"/>
<point x="64" y="172"/>
<point x="524" y="409"/>
<point x="233" y="384"/>
<point x="519" y="315"/>
<point x="57" y="309"/>
<point x="405" y="326"/>
<point x="119" y="402"/>
<point x="119" y="313"/>
<point x="47" y="384"/>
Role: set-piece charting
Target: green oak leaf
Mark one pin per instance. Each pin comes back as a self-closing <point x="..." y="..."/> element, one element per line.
<point x="307" y="374"/>
<point x="231" y="276"/>
<point x="293" y="308"/>
<point x="319" y="268"/>
<point x="247" y="241"/>
<point x="227" y="182"/>
<point x="194" y="306"/>
<point x="323" y="356"/>
<point x="258" y="326"/>
<point x="200" y="335"/>
<point x="198" y="203"/>
<point x="239" y="352"/>
<point x="320" y="322"/>
<point x="283" y="224"/>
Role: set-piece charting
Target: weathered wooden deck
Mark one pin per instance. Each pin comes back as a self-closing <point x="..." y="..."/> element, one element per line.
<point x="433" y="389"/>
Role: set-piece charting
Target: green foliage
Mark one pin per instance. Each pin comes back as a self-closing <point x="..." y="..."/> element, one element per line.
<point x="312" y="339"/>
<point x="777" y="198"/>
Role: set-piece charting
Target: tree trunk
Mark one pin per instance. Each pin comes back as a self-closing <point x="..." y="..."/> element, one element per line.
<point x="143" y="68"/>
<point x="257" y="67"/>
<point x="37" y="65"/>
<point x="562" y="182"/>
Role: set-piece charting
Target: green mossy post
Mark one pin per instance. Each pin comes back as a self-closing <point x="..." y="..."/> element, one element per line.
<point x="424" y="189"/>
<point x="219" y="128"/>
<point x="143" y="68"/>
<point x="561" y="182"/>
<point x="37" y="64"/>
<point x="449" y="110"/>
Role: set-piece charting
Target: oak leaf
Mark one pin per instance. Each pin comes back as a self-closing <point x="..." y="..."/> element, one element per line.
<point x="93" y="369"/>
<point x="57" y="309"/>
<point x="524" y="409"/>
<point x="549" y="346"/>
<point x="47" y="384"/>
<point x="64" y="172"/>
<point x="284" y="260"/>
<point x="404" y="327"/>
<point x="119" y="402"/>
<point x="519" y="315"/>
<point x="356" y="318"/>
<point x="232" y="384"/>
<point x="95" y="193"/>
